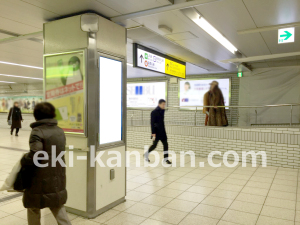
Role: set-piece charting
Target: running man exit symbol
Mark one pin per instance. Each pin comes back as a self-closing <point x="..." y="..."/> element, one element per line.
<point x="286" y="35"/>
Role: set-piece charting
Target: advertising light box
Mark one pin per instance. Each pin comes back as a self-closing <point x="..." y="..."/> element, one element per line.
<point x="151" y="60"/>
<point x="26" y="103"/>
<point x="64" y="76"/>
<point x="192" y="91"/>
<point x="145" y="95"/>
<point x="110" y="101"/>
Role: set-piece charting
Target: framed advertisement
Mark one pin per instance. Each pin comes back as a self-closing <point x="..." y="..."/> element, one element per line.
<point x="26" y="103"/>
<point x="191" y="92"/>
<point x="145" y="95"/>
<point x="64" y="87"/>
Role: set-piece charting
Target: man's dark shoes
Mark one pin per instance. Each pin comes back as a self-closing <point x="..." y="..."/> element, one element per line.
<point x="167" y="162"/>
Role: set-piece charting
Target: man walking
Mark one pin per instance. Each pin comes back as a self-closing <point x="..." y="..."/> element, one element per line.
<point x="158" y="130"/>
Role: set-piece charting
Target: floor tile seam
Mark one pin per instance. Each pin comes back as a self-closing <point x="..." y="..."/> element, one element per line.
<point x="266" y="198"/>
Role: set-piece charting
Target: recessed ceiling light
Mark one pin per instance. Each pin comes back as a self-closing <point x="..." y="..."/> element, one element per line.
<point x="6" y="75"/>
<point x="7" y="82"/>
<point x="16" y="64"/>
<point x="129" y="64"/>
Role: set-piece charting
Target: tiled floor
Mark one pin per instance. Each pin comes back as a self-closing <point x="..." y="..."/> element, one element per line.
<point x="185" y="196"/>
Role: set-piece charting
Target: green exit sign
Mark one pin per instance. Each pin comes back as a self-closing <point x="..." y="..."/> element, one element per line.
<point x="240" y="74"/>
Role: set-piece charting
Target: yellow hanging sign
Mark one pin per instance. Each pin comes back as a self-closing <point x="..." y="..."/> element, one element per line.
<point x="175" y="69"/>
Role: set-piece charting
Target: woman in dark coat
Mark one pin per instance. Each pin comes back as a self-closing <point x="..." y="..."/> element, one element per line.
<point x="47" y="181"/>
<point x="15" y="115"/>
<point x="214" y="97"/>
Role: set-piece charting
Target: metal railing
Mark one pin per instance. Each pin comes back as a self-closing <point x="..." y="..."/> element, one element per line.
<point x="230" y="109"/>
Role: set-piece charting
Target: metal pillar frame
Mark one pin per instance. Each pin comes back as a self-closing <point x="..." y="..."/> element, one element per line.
<point x="93" y="120"/>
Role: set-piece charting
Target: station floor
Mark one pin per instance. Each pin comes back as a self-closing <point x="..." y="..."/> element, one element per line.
<point x="185" y="196"/>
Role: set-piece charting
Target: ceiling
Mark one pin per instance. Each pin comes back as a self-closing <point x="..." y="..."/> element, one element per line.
<point x="187" y="42"/>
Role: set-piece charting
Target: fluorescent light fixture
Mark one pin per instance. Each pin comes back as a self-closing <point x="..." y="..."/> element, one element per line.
<point x="208" y="28"/>
<point x="7" y="82"/>
<point x="33" y="78"/>
<point x="129" y="64"/>
<point x="16" y="64"/>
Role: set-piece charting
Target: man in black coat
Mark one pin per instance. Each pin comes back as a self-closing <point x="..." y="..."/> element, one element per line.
<point x="158" y="130"/>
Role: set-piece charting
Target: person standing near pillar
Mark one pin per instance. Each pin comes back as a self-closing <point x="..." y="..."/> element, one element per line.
<point x="15" y="116"/>
<point x="158" y="130"/>
<point x="47" y="182"/>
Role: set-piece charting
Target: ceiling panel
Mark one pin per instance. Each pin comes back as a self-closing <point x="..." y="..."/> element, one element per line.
<point x="181" y="36"/>
<point x="25" y="44"/>
<point x="19" y="80"/>
<point x="257" y="65"/>
<point x="25" y="13"/>
<point x="204" y="45"/>
<point x="232" y="15"/>
<point x="139" y="73"/>
<point x="25" y="59"/>
<point x="191" y="69"/>
<point x="273" y="12"/>
<point x="20" y="71"/>
<point x="17" y="26"/>
<point x="283" y="63"/>
<point x="169" y="19"/>
<point x="65" y="7"/>
<point x="271" y="38"/>
<point x="23" y="49"/>
<point x="129" y="6"/>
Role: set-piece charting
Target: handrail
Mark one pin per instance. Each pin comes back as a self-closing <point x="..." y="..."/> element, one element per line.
<point x="227" y="106"/>
<point x="235" y="106"/>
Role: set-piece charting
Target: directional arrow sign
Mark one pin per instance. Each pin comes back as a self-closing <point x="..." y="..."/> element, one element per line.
<point x="286" y="35"/>
<point x="141" y="57"/>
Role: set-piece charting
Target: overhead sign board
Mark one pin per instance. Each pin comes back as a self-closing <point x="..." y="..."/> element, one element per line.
<point x="151" y="60"/>
<point x="286" y="35"/>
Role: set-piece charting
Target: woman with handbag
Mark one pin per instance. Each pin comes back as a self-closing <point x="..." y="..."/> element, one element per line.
<point x="14" y="118"/>
<point x="47" y="186"/>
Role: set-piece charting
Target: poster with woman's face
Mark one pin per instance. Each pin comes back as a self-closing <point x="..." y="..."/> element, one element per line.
<point x="193" y="91"/>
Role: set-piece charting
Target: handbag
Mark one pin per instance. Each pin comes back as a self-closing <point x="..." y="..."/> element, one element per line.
<point x="23" y="180"/>
<point x="10" y="119"/>
<point x="11" y="178"/>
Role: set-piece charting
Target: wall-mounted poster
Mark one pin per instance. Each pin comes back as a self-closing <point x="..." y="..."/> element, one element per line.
<point x="64" y="88"/>
<point x="192" y="91"/>
<point x="145" y="95"/>
<point x="26" y="103"/>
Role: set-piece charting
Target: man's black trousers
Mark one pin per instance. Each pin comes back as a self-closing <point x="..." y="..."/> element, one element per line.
<point x="165" y="144"/>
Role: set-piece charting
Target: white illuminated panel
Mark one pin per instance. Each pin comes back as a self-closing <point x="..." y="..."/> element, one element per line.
<point x="286" y="35"/>
<point x="193" y="91"/>
<point x="150" y="61"/>
<point x="110" y="101"/>
<point x="145" y="95"/>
